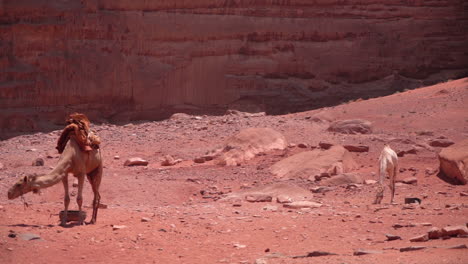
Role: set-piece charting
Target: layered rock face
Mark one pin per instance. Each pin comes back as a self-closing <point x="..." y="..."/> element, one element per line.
<point x="138" y="59"/>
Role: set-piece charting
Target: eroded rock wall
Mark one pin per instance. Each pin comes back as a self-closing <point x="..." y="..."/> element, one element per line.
<point x="121" y="59"/>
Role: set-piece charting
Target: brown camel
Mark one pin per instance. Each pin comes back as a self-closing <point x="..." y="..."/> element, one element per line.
<point x="73" y="160"/>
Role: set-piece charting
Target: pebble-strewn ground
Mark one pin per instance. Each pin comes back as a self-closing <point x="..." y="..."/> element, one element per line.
<point x="165" y="218"/>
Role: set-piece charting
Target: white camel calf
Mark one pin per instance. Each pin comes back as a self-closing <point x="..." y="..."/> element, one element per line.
<point x="388" y="164"/>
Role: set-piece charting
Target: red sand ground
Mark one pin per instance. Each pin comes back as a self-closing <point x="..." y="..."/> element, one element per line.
<point x="186" y="228"/>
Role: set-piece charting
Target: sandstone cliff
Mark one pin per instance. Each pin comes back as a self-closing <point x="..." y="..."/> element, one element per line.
<point x="121" y="59"/>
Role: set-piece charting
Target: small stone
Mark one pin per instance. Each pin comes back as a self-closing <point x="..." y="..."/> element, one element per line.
<point x="239" y="246"/>
<point x="391" y="237"/>
<point x="420" y="238"/>
<point x="38" y="162"/>
<point x="136" y="162"/>
<point x="271" y="208"/>
<point x="325" y="145"/>
<point x="410" y="180"/>
<point x="10" y="249"/>
<point x="370" y="182"/>
<point x="302" y="204"/>
<point x="258" y="198"/>
<point x="29" y="236"/>
<point x="360" y="252"/>
<point x="412" y="248"/>
<point x="75" y="182"/>
<point x="283" y="199"/>
<point x="199" y="160"/>
<point x="320" y="189"/>
<point x="302" y="145"/>
<point x="356" y="148"/>
<point x="118" y="227"/>
<point x="260" y="261"/>
<point x="116" y="157"/>
<point x="168" y="161"/>
<point x="463" y="194"/>
<point x="145" y="219"/>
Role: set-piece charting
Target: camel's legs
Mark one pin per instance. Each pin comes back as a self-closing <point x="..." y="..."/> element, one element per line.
<point x="66" y="200"/>
<point x="379" y="195"/>
<point x="392" y="182"/>
<point x="79" y="197"/>
<point x="94" y="178"/>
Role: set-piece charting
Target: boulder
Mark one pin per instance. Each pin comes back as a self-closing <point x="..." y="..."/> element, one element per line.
<point x="246" y="144"/>
<point x="441" y="142"/>
<point x="454" y="162"/>
<point x="342" y="179"/>
<point x="434" y="233"/>
<point x="336" y="160"/>
<point x="455" y="231"/>
<point x="352" y="126"/>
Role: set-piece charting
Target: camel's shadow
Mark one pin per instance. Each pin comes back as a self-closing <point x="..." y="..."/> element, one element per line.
<point x="67" y="225"/>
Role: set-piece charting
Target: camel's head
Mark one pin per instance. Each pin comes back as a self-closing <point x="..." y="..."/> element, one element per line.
<point x="21" y="187"/>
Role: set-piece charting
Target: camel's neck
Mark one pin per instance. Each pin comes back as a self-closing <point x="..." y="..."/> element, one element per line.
<point x="53" y="177"/>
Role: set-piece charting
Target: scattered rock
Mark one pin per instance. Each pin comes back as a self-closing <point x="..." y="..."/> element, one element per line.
<point x="271" y="208"/>
<point x="391" y="237"/>
<point x="354" y="126"/>
<point x="346" y="178"/>
<point x="442" y="143"/>
<point x="258" y="198"/>
<point x="357" y="148"/>
<point x="75" y="182"/>
<point x="136" y="162"/>
<point x="410" y="180"/>
<point x="116" y="157"/>
<point x="294" y="192"/>
<point x="199" y="160"/>
<point x="239" y="246"/>
<point x="434" y="233"/>
<point x="168" y="160"/>
<point x="2" y="166"/>
<point x="412" y="248"/>
<point x="247" y="144"/>
<point x="38" y="162"/>
<point x="336" y="160"/>
<point x="302" y="204"/>
<point x="370" y="182"/>
<point x="430" y="171"/>
<point x="461" y="246"/>
<point x="29" y="236"/>
<point x="453" y="162"/>
<point x="321" y="189"/>
<point x="420" y="238"/>
<point x="302" y="145"/>
<point x="325" y="145"/>
<point x="315" y="254"/>
<point x="403" y="152"/>
<point x="463" y="194"/>
<point x="283" y="199"/>
<point x="411" y="200"/>
<point x="260" y="261"/>
<point x="118" y="227"/>
<point x="360" y="252"/>
<point x="455" y="230"/>
<point x="145" y="219"/>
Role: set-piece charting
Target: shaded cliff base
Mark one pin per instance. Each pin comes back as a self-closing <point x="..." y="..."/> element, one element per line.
<point x="19" y="121"/>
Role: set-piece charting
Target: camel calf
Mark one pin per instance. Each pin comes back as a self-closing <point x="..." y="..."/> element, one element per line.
<point x="388" y="164"/>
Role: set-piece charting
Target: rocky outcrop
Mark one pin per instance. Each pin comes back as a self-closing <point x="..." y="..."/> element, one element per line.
<point x="139" y="59"/>
<point x="246" y="144"/>
<point x="454" y="162"/>
<point x="315" y="163"/>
